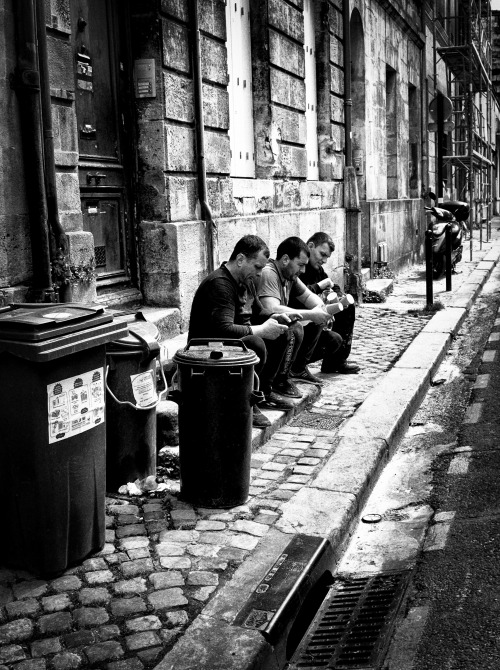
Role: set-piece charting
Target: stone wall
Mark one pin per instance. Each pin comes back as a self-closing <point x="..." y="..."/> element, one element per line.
<point x="399" y="223"/>
<point x="389" y="47"/>
<point x="15" y="246"/>
<point x="279" y="201"/>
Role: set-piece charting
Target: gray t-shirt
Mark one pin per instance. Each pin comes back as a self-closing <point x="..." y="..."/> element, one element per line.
<point x="274" y="285"/>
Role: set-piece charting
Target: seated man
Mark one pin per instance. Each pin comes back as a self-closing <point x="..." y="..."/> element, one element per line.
<point x="322" y="344"/>
<point x="280" y="286"/>
<point x="226" y="305"/>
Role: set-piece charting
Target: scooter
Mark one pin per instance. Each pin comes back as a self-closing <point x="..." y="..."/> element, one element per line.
<point x="456" y="213"/>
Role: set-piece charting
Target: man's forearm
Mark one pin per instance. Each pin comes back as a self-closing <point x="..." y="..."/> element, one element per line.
<point x="310" y="300"/>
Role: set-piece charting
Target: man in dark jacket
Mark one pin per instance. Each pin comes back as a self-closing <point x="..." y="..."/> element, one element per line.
<point x="331" y="346"/>
<point x="226" y="305"/>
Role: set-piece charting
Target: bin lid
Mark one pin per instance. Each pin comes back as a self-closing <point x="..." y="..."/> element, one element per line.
<point x="50" y="349"/>
<point x="34" y="322"/>
<point x="141" y="334"/>
<point x="208" y="353"/>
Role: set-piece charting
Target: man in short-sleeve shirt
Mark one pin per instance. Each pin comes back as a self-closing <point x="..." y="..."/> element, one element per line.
<point x="279" y="285"/>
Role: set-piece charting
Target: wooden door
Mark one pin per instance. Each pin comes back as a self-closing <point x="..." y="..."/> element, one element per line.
<point x="103" y="133"/>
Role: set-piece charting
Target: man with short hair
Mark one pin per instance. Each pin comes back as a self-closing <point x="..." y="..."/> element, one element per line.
<point x="226" y="305"/>
<point x="331" y="346"/>
<point x="280" y="285"/>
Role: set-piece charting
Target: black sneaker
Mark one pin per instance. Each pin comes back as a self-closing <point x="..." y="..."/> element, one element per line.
<point x="259" y="420"/>
<point x="344" y="368"/>
<point x="275" y="401"/>
<point x="286" y="387"/>
<point x="305" y="375"/>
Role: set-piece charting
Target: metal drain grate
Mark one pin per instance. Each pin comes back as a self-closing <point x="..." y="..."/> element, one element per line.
<point x="318" y="421"/>
<point x="100" y="256"/>
<point x="352" y="627"/>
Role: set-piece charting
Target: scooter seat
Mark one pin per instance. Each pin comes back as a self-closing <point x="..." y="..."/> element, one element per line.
<point x="438" y="229"/>
<point x="442" y="214"/>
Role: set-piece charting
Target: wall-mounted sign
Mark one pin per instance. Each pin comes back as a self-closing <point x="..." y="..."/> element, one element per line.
<point x="447" y="107"/>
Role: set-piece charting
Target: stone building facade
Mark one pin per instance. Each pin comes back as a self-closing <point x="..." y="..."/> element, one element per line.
<point x="177" y="126"/>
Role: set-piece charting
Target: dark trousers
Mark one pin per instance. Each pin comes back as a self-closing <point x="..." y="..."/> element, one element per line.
<point x="332" y="346"/>
<point x="275" y="356"/>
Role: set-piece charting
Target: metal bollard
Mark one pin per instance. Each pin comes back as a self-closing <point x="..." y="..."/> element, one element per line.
<point x="428" y="267"/>
<point x="448" y="256"/>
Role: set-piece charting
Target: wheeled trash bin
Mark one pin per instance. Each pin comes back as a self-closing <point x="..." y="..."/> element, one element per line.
<point x="215" y="380"/>
<point x="131" y="403"/>
<point x="53" y="444"/>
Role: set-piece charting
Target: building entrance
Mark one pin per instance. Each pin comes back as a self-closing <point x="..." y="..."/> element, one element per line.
<point x="104" y="133"/>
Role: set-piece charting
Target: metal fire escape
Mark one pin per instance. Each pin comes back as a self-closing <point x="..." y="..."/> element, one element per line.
<point x="463" y="42"/>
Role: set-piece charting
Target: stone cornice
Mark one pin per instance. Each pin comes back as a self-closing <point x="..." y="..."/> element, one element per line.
<point x="398" y="15"/>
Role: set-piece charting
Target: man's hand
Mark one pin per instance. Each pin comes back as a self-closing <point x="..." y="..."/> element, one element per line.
<point x="287" y="318"/>
<point x="270" y="329"/>
<point x="325" y="284"/>
<point x="318" y="315"/>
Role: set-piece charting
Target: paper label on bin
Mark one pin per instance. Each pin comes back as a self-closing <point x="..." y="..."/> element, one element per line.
<point x="143" y="388"/>
<point x="75" y="404"/>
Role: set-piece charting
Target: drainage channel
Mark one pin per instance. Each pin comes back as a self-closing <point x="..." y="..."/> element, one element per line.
<point x="353" y="626"/>
<point x="314" y="621"/>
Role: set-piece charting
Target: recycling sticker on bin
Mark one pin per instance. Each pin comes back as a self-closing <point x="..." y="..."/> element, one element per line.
<point x="143" y="388"/>
<point x="75" y="404"/>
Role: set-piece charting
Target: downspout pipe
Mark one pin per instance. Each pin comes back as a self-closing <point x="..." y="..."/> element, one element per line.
<point x="26" y="82"/>
<point x="60" y="239"/>
<point x="346" y="19"/>
<point x="206" y="213"/>
<point x="423" y="115"/>
<point x="351" y="194"/>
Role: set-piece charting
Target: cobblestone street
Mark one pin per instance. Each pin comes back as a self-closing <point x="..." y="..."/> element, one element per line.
<point x="163" y="559"/>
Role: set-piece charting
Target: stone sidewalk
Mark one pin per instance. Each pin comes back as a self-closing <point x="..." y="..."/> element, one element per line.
<point x="171" y="578"/>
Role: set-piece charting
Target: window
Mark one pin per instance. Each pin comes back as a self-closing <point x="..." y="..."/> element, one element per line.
<point x="391" y="130"/>
<point x="239" y="60"/>
<point x="311" y="94"/>
<point x="414" y="141"/>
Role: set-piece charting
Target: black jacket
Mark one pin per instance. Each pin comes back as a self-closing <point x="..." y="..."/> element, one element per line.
<point x="223" y="308"/>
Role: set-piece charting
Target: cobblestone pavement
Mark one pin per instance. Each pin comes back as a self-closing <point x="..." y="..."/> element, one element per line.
<point x="163" y="560"/>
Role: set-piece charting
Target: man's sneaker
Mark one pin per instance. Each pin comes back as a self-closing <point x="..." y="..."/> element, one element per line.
<point x="344" y="368"/>
<point x="275" y="401"/>
<point x="259" y="420"/>
<point x="306" y="375"/>
<point x="286" y="387"/>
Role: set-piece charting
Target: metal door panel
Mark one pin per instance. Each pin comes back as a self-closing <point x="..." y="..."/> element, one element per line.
<point x="102" y="167"/>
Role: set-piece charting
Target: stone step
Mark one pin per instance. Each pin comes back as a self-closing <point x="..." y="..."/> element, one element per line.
<point x="125" y="298"/>
<point x="380" y="287"/>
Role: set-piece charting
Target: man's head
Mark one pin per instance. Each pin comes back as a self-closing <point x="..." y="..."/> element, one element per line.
<point x="249" y="258"/>
<point x="292" y="256"/>
<point x="320" y="246"/>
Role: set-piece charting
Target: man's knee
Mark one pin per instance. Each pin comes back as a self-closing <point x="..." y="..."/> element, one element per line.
<point x="330" y="341"/>
<point x="256" y="344"/>
<point x="296" y="330"/>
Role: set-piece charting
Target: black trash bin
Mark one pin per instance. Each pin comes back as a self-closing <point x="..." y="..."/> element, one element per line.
<point x="215" y="381"/>
<point x="53" y="445"/>
<point x="131" y="403"/>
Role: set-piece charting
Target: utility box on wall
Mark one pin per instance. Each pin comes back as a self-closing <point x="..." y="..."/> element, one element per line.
<point x="382" y="253"/>
<point x="357" y="159"/>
